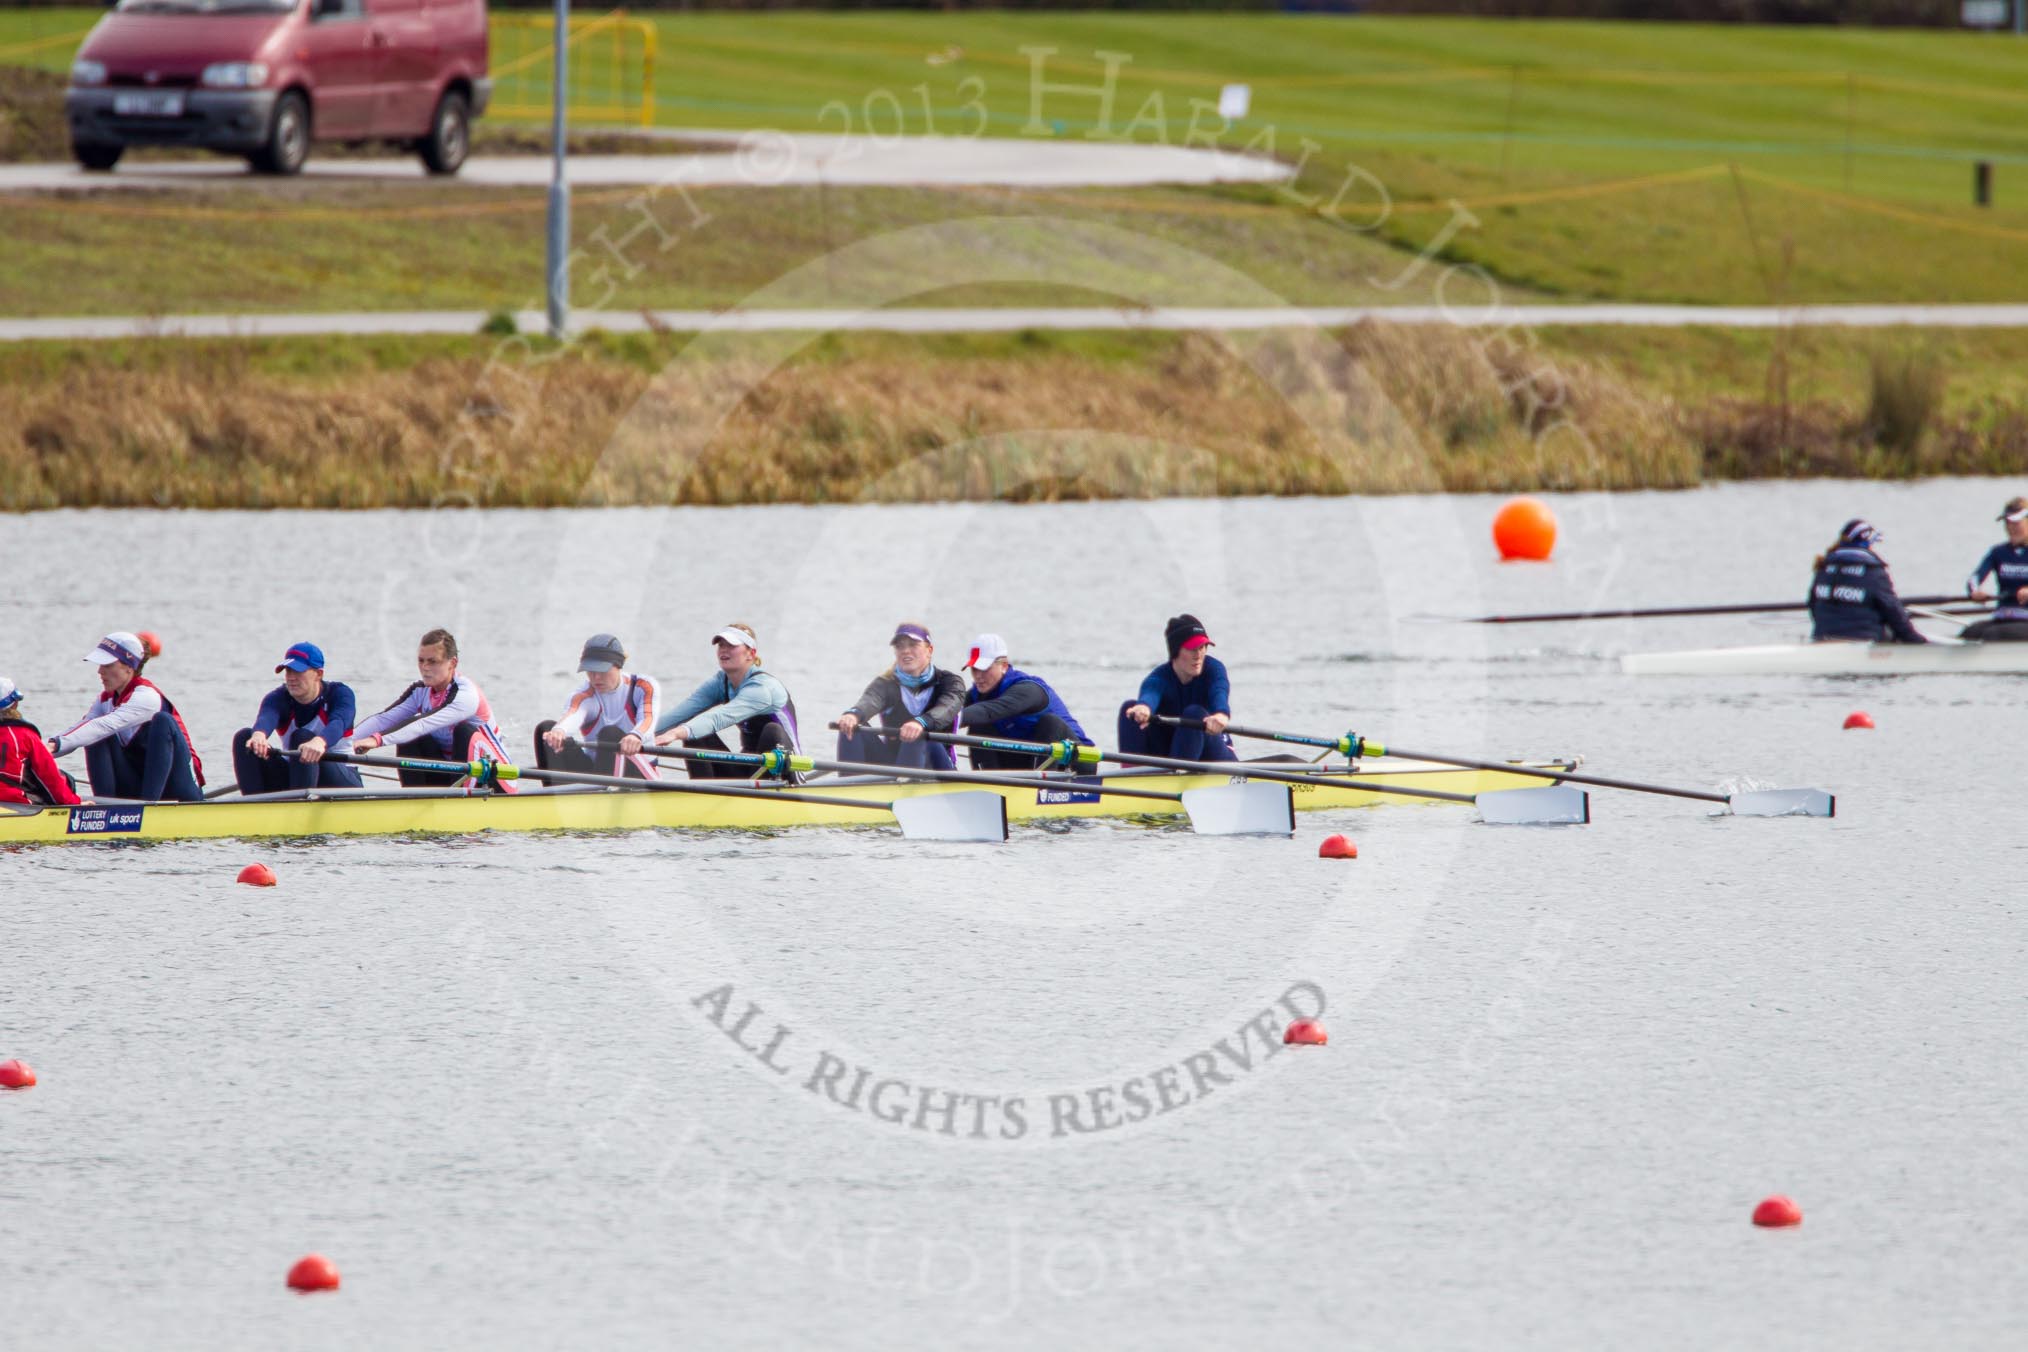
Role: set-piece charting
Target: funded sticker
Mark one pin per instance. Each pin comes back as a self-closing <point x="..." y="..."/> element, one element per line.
<point x="100" y="821"/>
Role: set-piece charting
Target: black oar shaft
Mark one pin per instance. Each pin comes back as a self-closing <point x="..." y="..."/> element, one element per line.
<point x="615" y="781"/>
<point x="1566" y="776"/>
<point x="902" y="772"/>
<point x="1243" y="769"/>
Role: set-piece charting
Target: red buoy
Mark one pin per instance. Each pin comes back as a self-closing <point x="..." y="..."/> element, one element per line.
<point x="313" y="1272"/>
<point x="257" y="875"/>
<point x="150" y="645"/>
<point x="1858" y="719"/>
<point x="16" y="1075"/>
<point x="1337" y="847"/>
<point x="1305" y="1033"/>
<point x="1776" y="1212"/>
<point x="1524" y="528"/>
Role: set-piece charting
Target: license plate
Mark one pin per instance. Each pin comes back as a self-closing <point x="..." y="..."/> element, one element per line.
<point x="149" y="103"/>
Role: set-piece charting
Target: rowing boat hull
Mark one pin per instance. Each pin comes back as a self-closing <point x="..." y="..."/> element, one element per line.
<point x="634" y="810"/>
<point x="1835" y="659"/>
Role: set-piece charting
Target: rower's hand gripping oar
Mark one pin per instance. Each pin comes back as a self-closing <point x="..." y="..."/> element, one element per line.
<point x="952" y="816"/>
<point x="1752" y="803"/>
<point x="1254" y="811"/>
<point x="1551" y="806"/>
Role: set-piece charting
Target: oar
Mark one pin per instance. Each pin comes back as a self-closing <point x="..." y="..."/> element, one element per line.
<point x="1663" y="612"/>
<point x="1546" y="806"/>
<point x="1754" y="803"/>
<point x="1222" y="810"/>
<point x="945" y="816"/>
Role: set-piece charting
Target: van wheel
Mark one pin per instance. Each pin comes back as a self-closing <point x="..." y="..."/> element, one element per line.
<point x="288" y="143"/>
<point x="99" y="158"/>
<point x="450" y="135"/>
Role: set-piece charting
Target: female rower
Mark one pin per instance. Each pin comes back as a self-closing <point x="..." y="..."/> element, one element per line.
<point x="1004" y="702"/>
<point x="28" y="773"/>
<point x="610" y="714"/>
<point x="134" y="741"/>
<point x="2007" y="565"/>
<point x="914" y="695"/>
<point x="443" y="716"/>
<point x="1852" y="598"/>
<point x="740" y="696"/>
<point x="305" y="714"/>
<point x="1191" y="686"/>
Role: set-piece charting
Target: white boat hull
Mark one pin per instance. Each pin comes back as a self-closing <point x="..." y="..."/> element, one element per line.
<point x="1834" y="659"/>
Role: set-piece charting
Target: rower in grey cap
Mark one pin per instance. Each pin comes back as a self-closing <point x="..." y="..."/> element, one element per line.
<point x="610" y="714"/>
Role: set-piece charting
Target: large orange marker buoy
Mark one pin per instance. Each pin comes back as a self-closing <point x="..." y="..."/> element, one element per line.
<point x="1777" y="1212"/>
<point x="1524" y="528"/>
<point x="1305" y="1033"/>
<point x="16" y="1075"/>
<point x="1858" y="718"/>
<point x="256" y="875"/>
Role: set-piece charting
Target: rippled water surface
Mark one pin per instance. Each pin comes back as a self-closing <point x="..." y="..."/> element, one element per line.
<point x="497" y="1080"/>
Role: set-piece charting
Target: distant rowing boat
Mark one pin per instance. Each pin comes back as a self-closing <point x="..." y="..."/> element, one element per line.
<point x="366" y="812"/>
<point x="1834" y="659"/>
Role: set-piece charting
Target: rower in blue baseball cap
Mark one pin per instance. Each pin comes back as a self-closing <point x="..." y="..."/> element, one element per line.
<point x="305" y="713"/>
<point x="1852" y="598"/>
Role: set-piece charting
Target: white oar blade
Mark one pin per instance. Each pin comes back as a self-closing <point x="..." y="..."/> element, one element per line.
<point x="1254" y="808"/>
<point x="1557" y="805"/>
<point x="973" y="814"/>
<point x="1784" y="803"/>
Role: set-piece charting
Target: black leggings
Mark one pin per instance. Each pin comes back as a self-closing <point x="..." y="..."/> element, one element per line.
<point x="1997" y="631"/>
<point x="1048" y="728"/>
<point x="773" y="737"/>
<point x="577" y="759"/>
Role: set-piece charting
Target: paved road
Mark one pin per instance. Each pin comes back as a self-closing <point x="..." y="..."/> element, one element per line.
<point x="1002" y="320"/>
<point x="762" y="159"/>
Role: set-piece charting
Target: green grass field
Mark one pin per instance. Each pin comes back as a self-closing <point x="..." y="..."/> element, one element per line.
<point x="1618" y="161"/>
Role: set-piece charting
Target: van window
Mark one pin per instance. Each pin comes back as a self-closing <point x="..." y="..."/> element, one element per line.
<point x="208" y="6"/>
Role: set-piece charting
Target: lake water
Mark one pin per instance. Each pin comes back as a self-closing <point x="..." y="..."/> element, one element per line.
<point x="496" y="1080"/>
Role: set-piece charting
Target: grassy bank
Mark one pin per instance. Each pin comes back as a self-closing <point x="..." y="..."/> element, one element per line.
<point x="1598" y="159"/>
<point x="416" y="422"/>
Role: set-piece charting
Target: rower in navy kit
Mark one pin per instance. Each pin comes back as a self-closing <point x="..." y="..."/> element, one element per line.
<point x="306" y="714"/>
<point x="134" y="741"/>
<point x="915" y="695"/>
<point x="1191" y="686"/>
<point x="1004" y="702"/>
<point x="442" y="716"/>
<point x="610" y="714"/>
<point x="1852" y="598"/>
<point x="738" y="696"/>
<point x="2007" y="565"/>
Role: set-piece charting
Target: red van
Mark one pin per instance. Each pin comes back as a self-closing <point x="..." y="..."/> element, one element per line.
<point x="264" y="78"/>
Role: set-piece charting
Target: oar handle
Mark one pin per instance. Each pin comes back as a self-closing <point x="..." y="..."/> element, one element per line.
<point x="1065" y="754"/>
<point x="483" y="770"/>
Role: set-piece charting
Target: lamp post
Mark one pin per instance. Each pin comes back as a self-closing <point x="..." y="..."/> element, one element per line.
<point x="558" y="271"/>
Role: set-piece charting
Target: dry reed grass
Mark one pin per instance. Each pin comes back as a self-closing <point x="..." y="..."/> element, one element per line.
<point x="1383" y="409"/>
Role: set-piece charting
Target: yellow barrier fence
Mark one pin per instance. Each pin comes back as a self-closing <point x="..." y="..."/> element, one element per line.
<point x="611" y="67"/>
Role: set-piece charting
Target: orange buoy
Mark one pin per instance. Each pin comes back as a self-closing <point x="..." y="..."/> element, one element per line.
<point x="1305" y="1033"/>
<point x="257" y="875"/>
<point x="1776" y="1212"/>
<point x="313" y="1272"/>
<point x="1524" y="528"/>
<point x="1859" y="718"/>
<point x="150" y="645"/>
<point x="16" y="1075"/>
<point x="1337" y="847"/>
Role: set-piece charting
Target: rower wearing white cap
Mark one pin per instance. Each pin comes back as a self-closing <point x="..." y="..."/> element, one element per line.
<point x="2007" y="565"/>
<point x="134" y="741"/>
<point x="611" y="713"/>
<point x="28" y="773"/>
<point x="740" y="695"/>
<point x="1005" y="702"/>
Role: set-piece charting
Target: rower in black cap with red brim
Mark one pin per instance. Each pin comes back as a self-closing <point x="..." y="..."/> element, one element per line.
<point x="1191" y="686"/>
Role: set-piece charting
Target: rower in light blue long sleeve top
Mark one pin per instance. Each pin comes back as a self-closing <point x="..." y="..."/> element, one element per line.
<point x="717" y="703"/>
